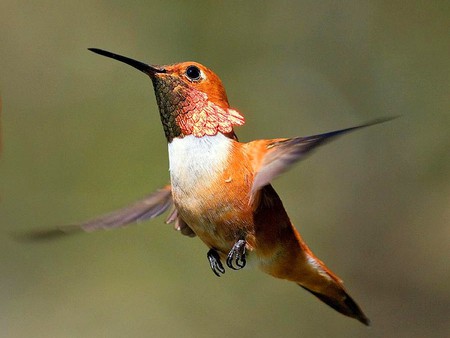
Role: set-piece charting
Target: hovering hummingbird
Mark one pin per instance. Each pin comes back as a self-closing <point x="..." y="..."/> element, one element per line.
<point x="220" y="188"/>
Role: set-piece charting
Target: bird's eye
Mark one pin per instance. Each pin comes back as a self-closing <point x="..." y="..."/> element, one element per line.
<point x="193" y="73"/>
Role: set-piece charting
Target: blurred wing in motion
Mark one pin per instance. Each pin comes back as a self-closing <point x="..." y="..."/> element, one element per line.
<point x="281" y="154"/>
<point x="149" y="207"/>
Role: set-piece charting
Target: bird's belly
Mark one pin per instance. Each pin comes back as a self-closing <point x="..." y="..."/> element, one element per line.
<point x="202" y="195"/>
<point x="194" y="162"/>
<point x="216" y="223"/>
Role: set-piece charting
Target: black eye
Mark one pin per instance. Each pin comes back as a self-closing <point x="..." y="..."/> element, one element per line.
<point x="193" y="73"/>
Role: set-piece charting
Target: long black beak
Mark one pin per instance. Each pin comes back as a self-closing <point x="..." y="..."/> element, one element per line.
<point x="143" y="67"/>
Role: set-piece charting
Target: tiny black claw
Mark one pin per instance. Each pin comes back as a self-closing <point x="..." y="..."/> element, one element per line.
<point x="237" y="255"/>
<point x="215" y="263"/>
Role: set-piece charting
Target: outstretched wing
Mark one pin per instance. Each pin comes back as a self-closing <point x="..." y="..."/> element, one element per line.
<point x="149" y="207"/>
<point x="281" y="154"/>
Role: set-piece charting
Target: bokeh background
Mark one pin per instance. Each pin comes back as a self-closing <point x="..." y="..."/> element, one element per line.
<point x="82" y="136"/>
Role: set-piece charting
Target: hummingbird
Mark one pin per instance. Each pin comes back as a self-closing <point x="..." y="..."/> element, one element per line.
<point x="220" y="189"/>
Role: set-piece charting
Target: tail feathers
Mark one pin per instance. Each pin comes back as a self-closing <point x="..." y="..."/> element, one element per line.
<point x="315" y="277"/>
<point x="344" y="304"/>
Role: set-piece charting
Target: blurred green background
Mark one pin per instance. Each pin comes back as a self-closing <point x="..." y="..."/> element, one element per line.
<point x="82" y="136"/>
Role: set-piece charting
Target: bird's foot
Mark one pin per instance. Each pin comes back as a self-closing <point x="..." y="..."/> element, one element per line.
<point x="215" y="263"/>
<point x="236" y="256"/>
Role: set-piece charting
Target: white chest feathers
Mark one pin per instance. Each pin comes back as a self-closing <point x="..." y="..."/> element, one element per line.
<point x="195" y="161"/>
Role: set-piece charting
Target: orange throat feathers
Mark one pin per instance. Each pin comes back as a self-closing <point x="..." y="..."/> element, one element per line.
<point x="185" y="110"/>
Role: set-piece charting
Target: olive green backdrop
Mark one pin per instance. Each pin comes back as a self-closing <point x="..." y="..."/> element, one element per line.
<point x="82" y="136"/>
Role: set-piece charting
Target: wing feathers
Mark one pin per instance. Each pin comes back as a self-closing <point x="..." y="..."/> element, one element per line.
<point x="149" y="207"/>
<point x="281" y="154"/>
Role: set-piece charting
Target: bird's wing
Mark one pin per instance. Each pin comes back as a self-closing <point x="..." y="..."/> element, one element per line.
<point x="280" y="154"/>
<point x="149" y="207"/>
